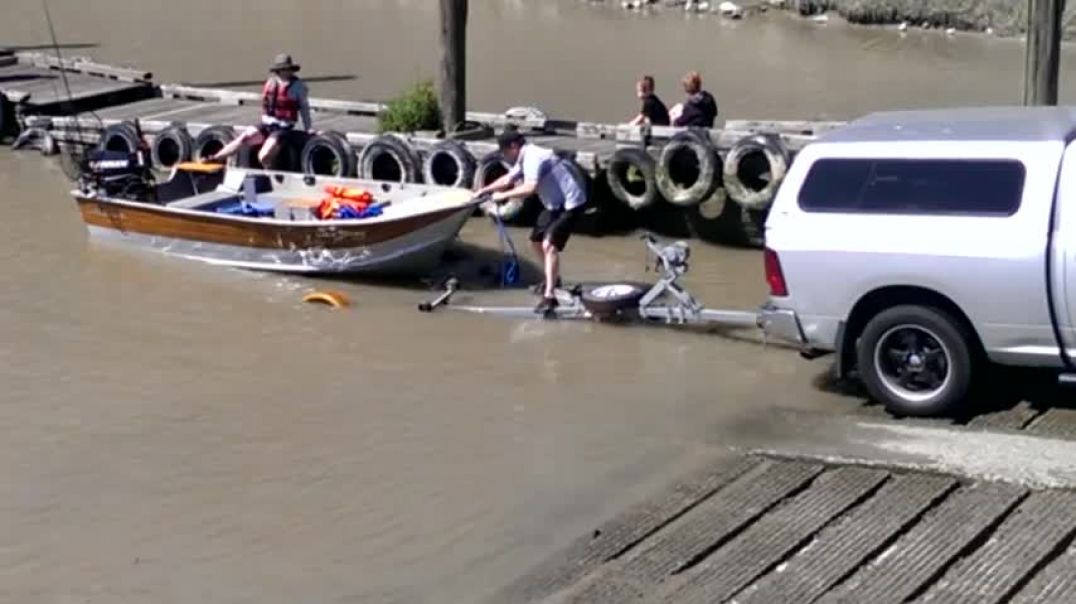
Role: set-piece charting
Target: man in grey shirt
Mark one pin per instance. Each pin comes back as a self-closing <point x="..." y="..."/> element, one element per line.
<point x="537" y="170"/>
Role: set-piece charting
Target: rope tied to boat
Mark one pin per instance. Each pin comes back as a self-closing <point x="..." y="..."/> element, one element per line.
<point x="510" y="260"/>
<point x="509" y="266"/>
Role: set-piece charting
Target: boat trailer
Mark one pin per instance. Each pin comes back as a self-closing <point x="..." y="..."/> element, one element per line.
<point x="664" y="301"/>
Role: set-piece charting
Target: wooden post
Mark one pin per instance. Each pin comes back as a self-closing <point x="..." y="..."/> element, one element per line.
<point x="1043" y="51"/>
<point x="453" y="76"/>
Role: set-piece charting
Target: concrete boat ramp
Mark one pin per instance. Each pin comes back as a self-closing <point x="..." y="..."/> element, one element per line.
<point x="764" y="530"/>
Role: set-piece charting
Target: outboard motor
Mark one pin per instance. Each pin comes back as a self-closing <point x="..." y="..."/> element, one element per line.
<point x="117" y="174"/>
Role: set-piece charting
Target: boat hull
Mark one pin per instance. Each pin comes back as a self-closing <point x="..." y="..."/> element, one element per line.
<point x="405" y="245"/>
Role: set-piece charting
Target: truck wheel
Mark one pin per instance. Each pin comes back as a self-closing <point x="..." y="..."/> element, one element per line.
<point x="916" y="360"/>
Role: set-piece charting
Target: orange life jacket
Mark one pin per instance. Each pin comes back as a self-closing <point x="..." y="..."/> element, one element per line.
<point x="351" y="193"/>
<point x="277" y="103"/>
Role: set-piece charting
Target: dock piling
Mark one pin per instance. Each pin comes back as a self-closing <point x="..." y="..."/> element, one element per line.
<point x="1043" y="51"/>
<point x="453" y="75"/>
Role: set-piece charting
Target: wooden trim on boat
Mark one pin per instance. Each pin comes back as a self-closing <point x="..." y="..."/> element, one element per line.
<point x="158" y="221"/>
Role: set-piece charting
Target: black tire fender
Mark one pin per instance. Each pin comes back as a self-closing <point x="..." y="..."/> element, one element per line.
<point x="953" y="334"/>
<point x="211" y="140"/>
<point x="721" y="220"/>
<point x="593" y="219"/>
<point x="449" y="164"/>
<point x="754" y="169"/>
<point x="122" y="137"/>
<point x="689" y="169"/>
<point x="328" y="154"/>
<point x="9" y="125"/>
<point x="389" y="157"/>
<point x="172" y="146"/>
<point x="631" y="175"/>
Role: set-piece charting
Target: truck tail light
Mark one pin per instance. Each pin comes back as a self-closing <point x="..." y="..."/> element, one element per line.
<point x="774" y="276"/>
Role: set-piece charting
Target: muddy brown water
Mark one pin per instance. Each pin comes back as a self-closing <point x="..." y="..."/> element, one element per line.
<point x="172" y="432"/>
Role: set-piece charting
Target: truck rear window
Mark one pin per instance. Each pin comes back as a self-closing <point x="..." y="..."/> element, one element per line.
<point x="914" y="186"/>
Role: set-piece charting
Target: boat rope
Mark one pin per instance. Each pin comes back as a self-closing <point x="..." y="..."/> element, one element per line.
<point x="510" y="263"/>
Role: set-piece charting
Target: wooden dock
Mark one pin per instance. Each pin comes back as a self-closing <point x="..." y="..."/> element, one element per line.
<point x="35" y="82"/>
<point x="34" y="87"/>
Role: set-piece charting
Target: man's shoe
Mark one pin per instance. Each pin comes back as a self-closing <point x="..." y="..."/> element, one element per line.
<point x="547" y="307"/>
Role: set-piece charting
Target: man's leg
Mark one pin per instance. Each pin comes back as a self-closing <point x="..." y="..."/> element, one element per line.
<point x="552" y="267"/>
<point x="250" y="136"/>
<point x="269" y="149"/>
<point x="537" y="238"/>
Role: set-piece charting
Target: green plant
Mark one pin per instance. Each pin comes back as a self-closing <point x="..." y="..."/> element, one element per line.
<point x="416" y="108"/>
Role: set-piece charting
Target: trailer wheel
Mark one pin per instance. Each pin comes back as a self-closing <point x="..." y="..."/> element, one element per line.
<point x="916" y="360"/>
<point x="610" y="299"/>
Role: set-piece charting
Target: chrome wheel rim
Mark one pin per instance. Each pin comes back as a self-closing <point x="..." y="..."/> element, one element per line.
<point x="913" y="363"/>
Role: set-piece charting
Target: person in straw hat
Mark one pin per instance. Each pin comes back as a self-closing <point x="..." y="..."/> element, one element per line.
<point x="284" y="102"/>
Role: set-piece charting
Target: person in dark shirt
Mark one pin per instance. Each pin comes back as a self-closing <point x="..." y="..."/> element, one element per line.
<point x="653" y="111"/>
<point x="699" y="109"/>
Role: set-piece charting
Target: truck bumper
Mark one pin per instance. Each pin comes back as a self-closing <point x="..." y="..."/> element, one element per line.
<point x="781" y="324"/>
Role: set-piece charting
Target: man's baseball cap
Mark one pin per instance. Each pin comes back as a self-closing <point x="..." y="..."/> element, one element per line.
<point x="509" y="137"/>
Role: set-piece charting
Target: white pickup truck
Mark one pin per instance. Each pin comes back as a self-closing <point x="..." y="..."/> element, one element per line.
<point x="921" y="247"/>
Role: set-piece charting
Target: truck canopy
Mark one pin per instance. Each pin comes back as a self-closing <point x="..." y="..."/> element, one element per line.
<point x="1012" y="124"/>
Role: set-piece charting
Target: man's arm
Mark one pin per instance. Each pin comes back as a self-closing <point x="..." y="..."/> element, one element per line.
<point x="500" y="184"/>
<point x="524" y="190"/>
<point x="638" y="121"/>
<point x="304" y="108"/>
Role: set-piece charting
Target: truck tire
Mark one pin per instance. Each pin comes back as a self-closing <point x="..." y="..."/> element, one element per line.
<point x="916" y="360"/>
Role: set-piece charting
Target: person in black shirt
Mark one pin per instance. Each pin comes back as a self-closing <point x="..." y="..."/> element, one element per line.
<point x="699" y="109"/>
<point x="653" y="111"/>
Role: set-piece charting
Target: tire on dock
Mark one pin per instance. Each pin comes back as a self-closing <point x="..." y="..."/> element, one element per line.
<point x="688" y="169"/>
<point x="288" y="156"/>
<point x="9" y="126"/>
<point x="122" y="137"/>
<point x="721" y="220"/>
<point x="754" y="169"/>
<point x="449" y="164"/>
<point x="593" y="219"/>
<point x="389" y="157"/>
<point x="517" y="211"/>
<point x="329" y="154"/>
<point x="631" y="176"/>
<point x="172" y="146"/>
<point x="211" y="140"/>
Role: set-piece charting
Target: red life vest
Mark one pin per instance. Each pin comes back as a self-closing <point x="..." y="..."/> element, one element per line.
<point x="277" y="103"/>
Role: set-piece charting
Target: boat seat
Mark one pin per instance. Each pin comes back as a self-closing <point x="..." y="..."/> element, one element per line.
<point x="203" y="199"/>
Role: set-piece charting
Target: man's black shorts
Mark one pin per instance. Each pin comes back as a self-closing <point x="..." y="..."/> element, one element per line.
<point x="556" y="225"/>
